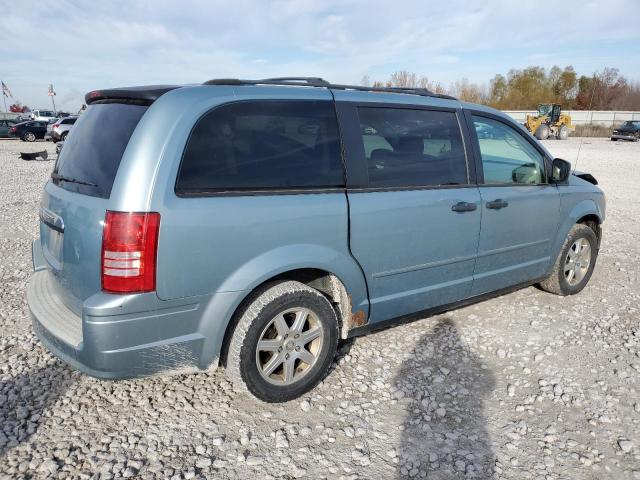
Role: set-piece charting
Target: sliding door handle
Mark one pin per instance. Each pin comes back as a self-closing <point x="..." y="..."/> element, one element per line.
<point x="497" y="204"/>
<point x="462" y="207"/>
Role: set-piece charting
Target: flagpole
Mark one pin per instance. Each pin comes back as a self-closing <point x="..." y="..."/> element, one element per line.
<point x="4" y="98"/>
<point x="52" y="94"/>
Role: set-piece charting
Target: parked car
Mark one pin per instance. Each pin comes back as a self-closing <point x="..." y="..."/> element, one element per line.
<point x="627" y="131"/>
<point x="5" y="125"/>
<point x="43" y="115"/>
<point x="28" y="131"/>
<point x="59" y="129"/>
<point x="276" y="219"/>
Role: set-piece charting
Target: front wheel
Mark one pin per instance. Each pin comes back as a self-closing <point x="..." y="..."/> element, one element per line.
<point x="563" y="132"/>
<point x="284" y="342"/>
<point x="575" y="263"/>
<point x="542" y="133"/>
<point x="29" y="137"/>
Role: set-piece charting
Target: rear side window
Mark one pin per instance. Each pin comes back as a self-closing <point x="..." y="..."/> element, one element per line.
<point x="257" y="145"/>
<point x="409" y="148"/>
<point x="92" y="154"/>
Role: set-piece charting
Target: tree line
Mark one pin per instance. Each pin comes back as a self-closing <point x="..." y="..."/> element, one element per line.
<point x="524" y="89"/>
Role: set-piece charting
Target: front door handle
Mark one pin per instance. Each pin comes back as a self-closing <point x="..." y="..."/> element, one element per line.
<point x="462" y="207"/>
<point x="497" y="204"/>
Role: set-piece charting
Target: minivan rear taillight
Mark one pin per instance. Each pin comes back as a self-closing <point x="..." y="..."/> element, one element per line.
<point x="129" y="244"/>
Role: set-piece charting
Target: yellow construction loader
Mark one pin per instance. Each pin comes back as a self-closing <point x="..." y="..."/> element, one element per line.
<point x="550" y="122"/>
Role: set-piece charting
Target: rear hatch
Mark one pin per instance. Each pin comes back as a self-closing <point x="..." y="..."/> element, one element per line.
<point x="76" y="198"/>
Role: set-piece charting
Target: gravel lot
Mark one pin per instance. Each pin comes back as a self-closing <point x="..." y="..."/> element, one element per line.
<point x="528" y="385"/>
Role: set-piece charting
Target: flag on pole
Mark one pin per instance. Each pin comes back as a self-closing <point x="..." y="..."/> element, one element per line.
<point x="5" y="90"/>
<point x="51" y="91"/>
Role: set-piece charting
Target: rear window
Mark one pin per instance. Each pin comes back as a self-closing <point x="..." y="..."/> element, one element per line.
<point x="258" y="145"/>
<point x="92" y="153"/>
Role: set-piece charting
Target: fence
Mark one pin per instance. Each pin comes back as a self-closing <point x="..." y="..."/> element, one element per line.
<point x="585" y="117"/>
<point x="9" y="116"/>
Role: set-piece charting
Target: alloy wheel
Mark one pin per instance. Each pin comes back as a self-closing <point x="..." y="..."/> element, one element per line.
<point x="289" y="346"/>
<point x="577" y="261"/>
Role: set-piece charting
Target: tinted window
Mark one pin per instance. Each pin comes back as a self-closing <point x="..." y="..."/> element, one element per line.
<point x="406" y="147"/>
<point x="93" y="153"/>
<point x="507" y="157"/>
<point x="263" y="145"/>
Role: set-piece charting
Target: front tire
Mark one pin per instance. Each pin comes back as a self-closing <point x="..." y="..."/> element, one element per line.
<point x="575" y="263"/>
<point x="542" y="133"/>
<point x="284" y="342"/>
<point x="563" y="133"/>
<point x="29" y="137"/>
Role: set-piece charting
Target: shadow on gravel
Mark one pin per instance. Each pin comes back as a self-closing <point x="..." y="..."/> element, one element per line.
<point x="444" y="433"/>
<point x="24" y="399"/>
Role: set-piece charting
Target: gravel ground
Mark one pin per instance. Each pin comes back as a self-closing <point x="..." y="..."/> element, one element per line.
<point x="528" y="385"/>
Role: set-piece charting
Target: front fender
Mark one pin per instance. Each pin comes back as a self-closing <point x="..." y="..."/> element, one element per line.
<point x="579" y="210"/>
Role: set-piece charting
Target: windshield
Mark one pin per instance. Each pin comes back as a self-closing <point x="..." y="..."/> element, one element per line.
<point x="545" y="109"/>
<point x="92" y="152"/>
<point x="630" y="124"/>
<point x="46" y="113"/>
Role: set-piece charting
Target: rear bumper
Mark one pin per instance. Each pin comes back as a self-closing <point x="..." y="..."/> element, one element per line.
<point x="107" y="345"/>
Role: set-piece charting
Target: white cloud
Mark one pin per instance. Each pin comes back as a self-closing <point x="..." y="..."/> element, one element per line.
<point x="82" y="45"/>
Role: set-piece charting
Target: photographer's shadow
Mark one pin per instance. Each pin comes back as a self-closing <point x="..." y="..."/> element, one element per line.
<point x="445" y="435"/>
<point x="24" y="398"/>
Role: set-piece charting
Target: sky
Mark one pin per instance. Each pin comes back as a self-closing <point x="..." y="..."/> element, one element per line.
<point x="86" y="45"/>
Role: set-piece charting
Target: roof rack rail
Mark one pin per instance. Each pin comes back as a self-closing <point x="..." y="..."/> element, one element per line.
<point x="320" y="82"/>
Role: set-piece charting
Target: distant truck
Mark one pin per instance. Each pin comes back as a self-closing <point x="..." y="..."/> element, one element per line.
<point x="550" y="122"/>
<point x="43" y="115"/>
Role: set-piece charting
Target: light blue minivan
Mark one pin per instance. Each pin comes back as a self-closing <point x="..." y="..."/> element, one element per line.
<point x="254" y="224"/>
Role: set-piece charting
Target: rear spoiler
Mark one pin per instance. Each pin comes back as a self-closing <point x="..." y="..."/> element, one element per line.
<point x="144" y="95"/>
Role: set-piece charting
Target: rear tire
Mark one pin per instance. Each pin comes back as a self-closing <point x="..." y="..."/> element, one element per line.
<point x="270" y="355"/>
<point x="63" y="137"/>
<point x="542" y="133"/>
<point x="563" y="132"/>
<point x="614" y="139"/>
<point x="575" y="263"/>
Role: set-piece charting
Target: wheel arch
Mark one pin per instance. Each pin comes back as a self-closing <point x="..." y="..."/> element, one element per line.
<point x="325" y="281"/>
<point x="585" y="211"/>
<point x="594" y="222"/>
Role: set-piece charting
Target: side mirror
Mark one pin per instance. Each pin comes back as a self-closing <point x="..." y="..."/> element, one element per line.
<point x="560" y="170"/>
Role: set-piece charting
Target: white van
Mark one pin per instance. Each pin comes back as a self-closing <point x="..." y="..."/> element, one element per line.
<point x="43" y="115"/>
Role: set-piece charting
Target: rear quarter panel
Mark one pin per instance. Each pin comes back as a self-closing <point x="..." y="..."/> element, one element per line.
<point x="221" y="244"/>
